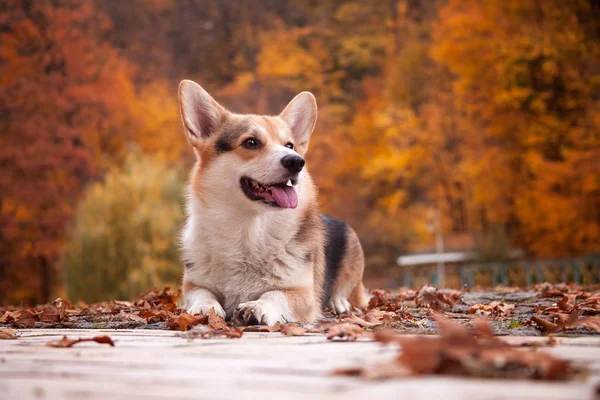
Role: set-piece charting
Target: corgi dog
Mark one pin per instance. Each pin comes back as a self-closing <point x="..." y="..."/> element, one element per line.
<point x="255" y="247"/>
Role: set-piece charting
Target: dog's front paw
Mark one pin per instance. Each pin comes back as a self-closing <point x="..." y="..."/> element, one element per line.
<point x="204" y="309"/>
<point x="339" y="305"/>
<point x="258" y="312"/>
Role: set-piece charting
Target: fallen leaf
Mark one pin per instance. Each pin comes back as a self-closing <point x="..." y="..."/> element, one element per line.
<point x="8" y="334"/>
<point x="345" y="331"/>
<point x="430" y="297"/>
<point x="261" y="328"/>
<point x="354" y="319"/>
<point x="292" y="329"/>
<point x="592" y="322"/>
<point x="26" y="319"/>
<point x="205" y="332"/>
<point x="153" y="316"/>
<point x="459" y="351"/>
<point x="215" y="322"/>
<point x="546" y="325"/>
<point x="50" y="313"/>
<point x="381" y="298"/>
<point x="162" y="297"/>
<point x="185" y="320"/>
<point x="566" y="303"/>
<point x="66" y="342"/>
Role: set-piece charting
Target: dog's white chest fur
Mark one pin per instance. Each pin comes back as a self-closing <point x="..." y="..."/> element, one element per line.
<point x="239" y="255"/>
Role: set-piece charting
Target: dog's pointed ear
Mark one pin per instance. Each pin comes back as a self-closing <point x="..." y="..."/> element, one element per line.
<point x="301" y="116"/>
<point x="200" y="113"/>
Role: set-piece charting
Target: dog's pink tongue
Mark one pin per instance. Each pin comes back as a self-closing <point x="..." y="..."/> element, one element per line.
<point x="285" y="196"/>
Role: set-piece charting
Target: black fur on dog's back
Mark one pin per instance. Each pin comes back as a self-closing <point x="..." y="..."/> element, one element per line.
<point x="335" y="248"/>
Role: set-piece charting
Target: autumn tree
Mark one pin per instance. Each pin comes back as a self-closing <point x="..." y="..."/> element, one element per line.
<point x="61" y="93"/>
<point x="527" y="89"/>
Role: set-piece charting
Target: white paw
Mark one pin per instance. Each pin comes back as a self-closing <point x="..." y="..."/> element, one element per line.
<point x="204" y="309"/>
<point x="258" y="312"/>
<point x="339" y="305"/>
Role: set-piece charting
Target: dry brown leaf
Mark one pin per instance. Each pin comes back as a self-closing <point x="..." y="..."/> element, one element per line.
<point x="344" y="331"/>
<point x="458" y="351"/>
<point x="430" y="297"/>
<point x="66" y="342"/>
<point x="215" y="322"/>
<point x="354" y="319"/>
<point x="185" y="320"/>
<point x="50" y="313"/>
<point x="591" y="322"/>
<point x="153" y="316"/>
<point x="26" y="319"/>
<point x="546" y="325"/>
<point x="261" y="328"/>
<point x="566" y="303"/>
<point x="381" y="298"/>
<point x="8" y="334"/>
<point x="204" y="332"/>
<point x="292" y="329"/>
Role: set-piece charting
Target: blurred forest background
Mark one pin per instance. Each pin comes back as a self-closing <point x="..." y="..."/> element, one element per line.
<point x="488" y="111"/>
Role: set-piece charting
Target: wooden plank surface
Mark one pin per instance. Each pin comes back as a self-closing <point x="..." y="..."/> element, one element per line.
<point x="154" y="364"/>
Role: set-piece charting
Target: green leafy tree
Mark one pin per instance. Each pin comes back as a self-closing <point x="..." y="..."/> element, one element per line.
<point x="124" y="239"/>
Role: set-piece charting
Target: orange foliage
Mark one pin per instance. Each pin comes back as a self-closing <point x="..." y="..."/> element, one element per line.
<point x="487" y="111"/>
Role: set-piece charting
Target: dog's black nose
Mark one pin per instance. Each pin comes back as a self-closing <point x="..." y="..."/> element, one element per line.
<point x="293" y="163"/>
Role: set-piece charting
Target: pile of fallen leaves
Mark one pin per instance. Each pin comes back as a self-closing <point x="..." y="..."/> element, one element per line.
<point x="155" y="309"/>
<point x="553" y="308"/>
<point x="459" y="350"/>
<point x="576" y="309"/>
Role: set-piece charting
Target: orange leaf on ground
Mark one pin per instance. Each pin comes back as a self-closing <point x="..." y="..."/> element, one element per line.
<point x="26" y="319"/>
<point x="292" y="329"/>
<point x="344" y="331"/>
<point x="66" y="342"/>
<point x="8" y="334"/>
<point x="592" y="322"/>
<point x="50" y="313"/>
<point x="215" y="322"/>
<point x="546" y="325"/>
<point x="185" y="320"/>
<point x="354" y="319"/>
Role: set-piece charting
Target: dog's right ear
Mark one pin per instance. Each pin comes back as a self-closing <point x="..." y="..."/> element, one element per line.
<point x="200" y="113"/>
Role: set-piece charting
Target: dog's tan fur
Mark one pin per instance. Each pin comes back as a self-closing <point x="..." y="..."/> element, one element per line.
<point x="243" y="259"/>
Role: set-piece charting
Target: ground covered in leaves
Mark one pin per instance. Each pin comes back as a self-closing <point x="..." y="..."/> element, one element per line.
<point x="545" y="308"/>
<point x="469" y="324"/>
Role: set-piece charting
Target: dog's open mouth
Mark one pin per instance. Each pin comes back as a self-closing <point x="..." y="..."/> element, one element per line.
<point x="281" y="194"/>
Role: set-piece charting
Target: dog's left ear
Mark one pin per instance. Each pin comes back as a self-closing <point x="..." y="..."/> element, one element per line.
<point x="301" y="116"/>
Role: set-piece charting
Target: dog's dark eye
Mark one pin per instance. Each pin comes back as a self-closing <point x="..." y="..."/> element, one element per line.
<point x="290" y="145"/>
<point x="250" y="143"/>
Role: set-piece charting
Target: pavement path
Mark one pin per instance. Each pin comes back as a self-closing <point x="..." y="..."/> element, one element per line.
<point x="154" y="364"/>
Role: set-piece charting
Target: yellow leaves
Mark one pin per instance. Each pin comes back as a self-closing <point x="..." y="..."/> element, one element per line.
<point x="300" y="59"/>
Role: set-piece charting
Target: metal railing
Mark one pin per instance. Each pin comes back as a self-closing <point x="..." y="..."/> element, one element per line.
<point x="517" y="273"/>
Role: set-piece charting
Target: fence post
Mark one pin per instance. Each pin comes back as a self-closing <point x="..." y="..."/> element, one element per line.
<point x="528" y="277"/>
<point x="539" y="273"/>
<point x="494" y="275"/>
<point x="577" y="273"/>
<point x="406" y="279"/>
<point x="504" y="269"/>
